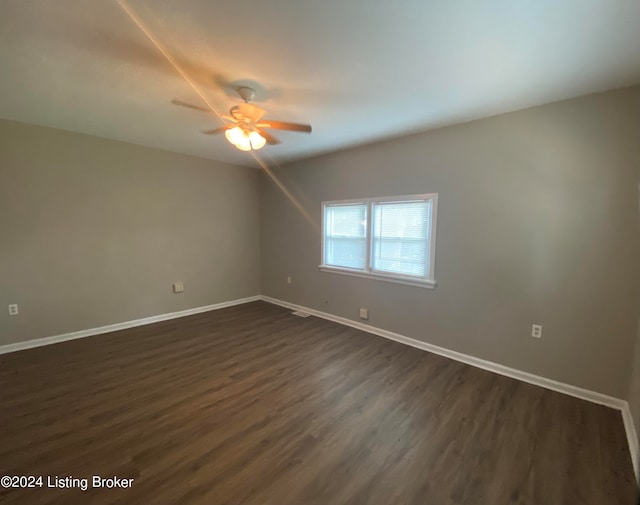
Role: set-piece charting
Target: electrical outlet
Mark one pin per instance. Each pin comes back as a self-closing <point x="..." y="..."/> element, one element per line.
<point x="364" y="313"/>
<point x="289" y="280"/>
<point x="536" y="331"/>
<point x="13" y="309"/>
<point x="178" y="287"/>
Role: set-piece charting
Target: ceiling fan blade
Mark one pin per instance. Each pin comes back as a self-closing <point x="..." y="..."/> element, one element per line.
<point x="271" y="140"/>
<point x="282" y="125"/>
<point x="218" y="130"/>
<point x="189" y="106"/>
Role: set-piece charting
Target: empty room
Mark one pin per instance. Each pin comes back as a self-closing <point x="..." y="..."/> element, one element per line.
<point x="319" y="253"/>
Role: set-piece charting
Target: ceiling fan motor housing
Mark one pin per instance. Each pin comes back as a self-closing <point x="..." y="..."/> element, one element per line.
<point x="247" y="112"/>
<point x="247" y="94"/>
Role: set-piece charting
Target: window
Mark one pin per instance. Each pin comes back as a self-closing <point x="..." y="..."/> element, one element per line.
<point x="346" y="236"/>
<point x="384" y="238"/>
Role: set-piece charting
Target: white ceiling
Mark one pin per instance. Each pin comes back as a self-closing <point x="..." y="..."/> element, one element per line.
<point x="357" y="70"/>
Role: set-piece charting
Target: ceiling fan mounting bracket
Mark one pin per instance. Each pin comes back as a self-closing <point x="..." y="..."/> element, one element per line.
<point x="247" y="94"/>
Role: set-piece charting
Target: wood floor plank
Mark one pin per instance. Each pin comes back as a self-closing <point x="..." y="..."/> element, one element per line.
<point x="250" y="405"/>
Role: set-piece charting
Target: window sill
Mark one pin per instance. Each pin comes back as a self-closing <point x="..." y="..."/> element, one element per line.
<point x="379" y="277"/>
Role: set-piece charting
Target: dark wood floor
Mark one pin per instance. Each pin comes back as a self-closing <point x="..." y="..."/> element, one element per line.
<point x="253" y="406"/>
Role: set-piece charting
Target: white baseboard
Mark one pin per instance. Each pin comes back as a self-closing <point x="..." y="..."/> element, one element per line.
<point x="632" y="439"/>
<point x="38" y="342"/>
<point x="537" y="380"/>
<point x="561" y="387"/>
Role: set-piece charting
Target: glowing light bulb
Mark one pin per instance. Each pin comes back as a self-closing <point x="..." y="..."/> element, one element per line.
<point x="244" y="144"/>
<point x="234" y="135"/>
<point x="257" y="140"/>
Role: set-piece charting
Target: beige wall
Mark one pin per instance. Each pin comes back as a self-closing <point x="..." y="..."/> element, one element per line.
<point x="634" y="387"/>
<point x="94" y="232"/>
<point x="537" y="223"/>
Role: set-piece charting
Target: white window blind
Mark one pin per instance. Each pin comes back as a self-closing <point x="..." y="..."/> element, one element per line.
<point x="345" y="236"/>
<point x="391" y="238"/>
<point x="400" y="237"/>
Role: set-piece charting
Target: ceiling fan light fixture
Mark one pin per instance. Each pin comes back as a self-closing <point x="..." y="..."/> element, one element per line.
<point x="234" y="135"/>
<point x="245" y="140"/>
<point x="245" y="129"/>
<point x="244" y="144"/>
<point x="257" y="140"/>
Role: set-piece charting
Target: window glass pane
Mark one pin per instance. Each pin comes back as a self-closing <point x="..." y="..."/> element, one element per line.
<point x="345" y="241"/>
<point x="401" y="237"/>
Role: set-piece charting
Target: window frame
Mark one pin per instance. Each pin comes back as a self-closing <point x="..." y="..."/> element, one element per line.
<point x="428" y="281"/>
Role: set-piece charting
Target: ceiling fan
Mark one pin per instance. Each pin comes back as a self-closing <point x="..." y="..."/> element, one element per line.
<point x="247" y="128"/>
